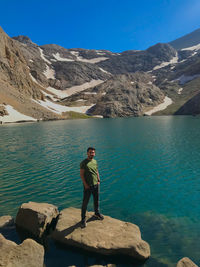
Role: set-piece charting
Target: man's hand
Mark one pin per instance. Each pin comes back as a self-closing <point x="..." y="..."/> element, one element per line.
<point x="86" y="186"/>
<point x="98" y="177"/>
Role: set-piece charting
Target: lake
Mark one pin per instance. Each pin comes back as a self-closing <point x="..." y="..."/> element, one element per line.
<point x="150" y="176"/>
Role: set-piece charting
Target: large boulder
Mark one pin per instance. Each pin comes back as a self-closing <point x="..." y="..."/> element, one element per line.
<point x="108" y="237"/>
<point x="186" y="262"/>
<point x="36" y="217"/>
<point x="27" y="254"/>
<point x="6" y="221"/>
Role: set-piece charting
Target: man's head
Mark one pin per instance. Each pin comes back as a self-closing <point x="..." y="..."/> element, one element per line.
<point x="91" y="152"/>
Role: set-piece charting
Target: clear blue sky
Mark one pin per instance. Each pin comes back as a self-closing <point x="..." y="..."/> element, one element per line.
<point x="104" y="24"/>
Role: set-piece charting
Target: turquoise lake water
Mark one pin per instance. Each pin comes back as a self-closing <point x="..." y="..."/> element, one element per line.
<point x="149" y="168"/>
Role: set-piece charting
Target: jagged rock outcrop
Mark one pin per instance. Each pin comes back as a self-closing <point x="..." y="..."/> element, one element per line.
<point x="129" y="95"/>
<point x="3" y="110"/>
<point x="27" y="254"/>
<point x="109" y="237"/>
<point x="121" y="96"/>
<point x="36" y="217"/>
<point x="163" y="52"/>
<point x="6" y="221"/>
<point x="186" y="262"/>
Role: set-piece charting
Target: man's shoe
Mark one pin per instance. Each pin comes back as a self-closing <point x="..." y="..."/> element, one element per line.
<point x="83" y="224"/>
<point x="98" y="216"/>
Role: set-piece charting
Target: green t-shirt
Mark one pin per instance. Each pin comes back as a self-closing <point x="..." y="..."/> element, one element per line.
<point x="91" y="169"/>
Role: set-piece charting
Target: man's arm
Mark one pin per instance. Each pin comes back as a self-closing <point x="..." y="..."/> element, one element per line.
<point x="98" y="177"/>
<point x="82" y="171"/>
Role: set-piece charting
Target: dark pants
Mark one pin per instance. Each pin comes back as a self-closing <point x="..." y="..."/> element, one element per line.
<point x="94" y="190"/>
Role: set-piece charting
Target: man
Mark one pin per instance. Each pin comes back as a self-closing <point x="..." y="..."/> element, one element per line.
<point x="90" y="177"/>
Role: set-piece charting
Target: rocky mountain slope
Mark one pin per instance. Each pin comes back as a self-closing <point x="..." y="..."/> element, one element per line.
<point x="188" y="40"/>
<point x="51" y="82"/>
<point x="16" y="86"/>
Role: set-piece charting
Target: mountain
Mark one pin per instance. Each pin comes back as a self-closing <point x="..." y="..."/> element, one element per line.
<point x="187" y="40"/>
<point x="51" y="82"/>
<point x="17" y="88"/>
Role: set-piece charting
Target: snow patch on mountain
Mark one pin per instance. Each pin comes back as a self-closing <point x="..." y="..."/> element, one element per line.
<point x="74" y="89"/>
<point x="15" y="116"/>
<point x="43" y="57"/>
<point x="191" y="48"/>
<point x="92" y="60"/>
<point x="101" y="53"/>
<point x="59" y="58"/>
<point x="59" y="109"/>
<point x="174" y="60"/>
<point x="180" y="91"/>
<point x="49" y="73"/>
<point x="105" y="71"/>
<point x="90" y="93"/>
<point x="162" y="106"/>
<point x="59" y="93"/>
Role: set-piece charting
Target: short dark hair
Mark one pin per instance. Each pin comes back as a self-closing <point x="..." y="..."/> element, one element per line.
<point x="91" y="148"/>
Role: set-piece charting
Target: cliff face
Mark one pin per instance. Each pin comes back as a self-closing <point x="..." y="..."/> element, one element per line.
<point x="17" y="88"/>
<point x="13" y="68"/>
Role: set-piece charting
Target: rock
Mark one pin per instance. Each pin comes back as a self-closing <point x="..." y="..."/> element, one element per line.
<point x="27" y="254"/>
<point x="6" y="221"/>
<point x="186" y="262"/>
<point x="36" y="217"/>
<point x="3" y="111"/>
<point x="108" y="237"/>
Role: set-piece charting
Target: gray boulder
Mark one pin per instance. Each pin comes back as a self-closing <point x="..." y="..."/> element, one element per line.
<point x="6" y="221"/>
<point x="27" y="254"/>
<point x="108" y="237"/>
<point x="36" y="217"/>
<point x="186" y="262"/>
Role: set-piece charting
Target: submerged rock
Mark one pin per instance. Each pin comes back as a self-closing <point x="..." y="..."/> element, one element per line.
<point x="36" y="217"/>
<point x="186" y="262"/>
<point x="27" y="254"/>
<point x="108" y="237"/>
<point x="6" y="221"/>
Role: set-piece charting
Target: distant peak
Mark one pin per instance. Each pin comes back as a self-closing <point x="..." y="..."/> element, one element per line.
<point x="23" y="39"/>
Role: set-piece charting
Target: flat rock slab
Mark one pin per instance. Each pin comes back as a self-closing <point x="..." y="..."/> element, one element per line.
<point x="186" y="262"/>
<point x="27" y="254"/>
<point x="36" y="217"/>
<point x="6" y="221"/>
<point x="108" y="237"/>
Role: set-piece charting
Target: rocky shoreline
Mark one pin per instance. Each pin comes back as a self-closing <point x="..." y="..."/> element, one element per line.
<point x="36" y="221"/>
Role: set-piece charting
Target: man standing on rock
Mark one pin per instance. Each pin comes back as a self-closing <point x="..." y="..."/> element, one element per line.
<point x="90" y="177"/>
